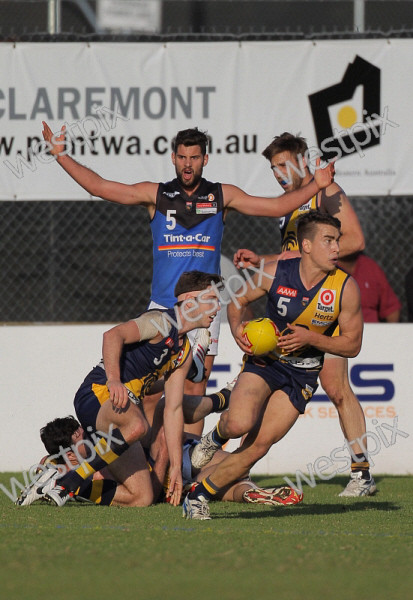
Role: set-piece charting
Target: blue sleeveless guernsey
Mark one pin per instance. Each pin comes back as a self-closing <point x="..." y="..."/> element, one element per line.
<point x="187" y="233"/>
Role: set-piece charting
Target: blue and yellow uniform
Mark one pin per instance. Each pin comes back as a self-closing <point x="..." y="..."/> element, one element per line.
<point x="316" y="309"/>
<point x="288" y="224"/>
<point x="142" y="363"/>
<point x="187" y="234"/>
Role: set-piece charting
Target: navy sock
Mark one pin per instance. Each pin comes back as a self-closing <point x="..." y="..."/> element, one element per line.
<point x="206" y="489"/>
<point x="220" y="400"/>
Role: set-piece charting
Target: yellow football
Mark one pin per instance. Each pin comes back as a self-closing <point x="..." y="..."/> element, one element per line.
<point x="260" y="335"/>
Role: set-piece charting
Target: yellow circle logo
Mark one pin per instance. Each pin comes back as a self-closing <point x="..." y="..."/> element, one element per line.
<point x="346" y="117"/>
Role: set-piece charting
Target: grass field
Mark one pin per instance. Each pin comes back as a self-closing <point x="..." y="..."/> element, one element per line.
<point x="327" y="547"/>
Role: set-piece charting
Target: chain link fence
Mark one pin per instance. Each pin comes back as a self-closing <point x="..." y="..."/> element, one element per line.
<point x="91" y="261"/>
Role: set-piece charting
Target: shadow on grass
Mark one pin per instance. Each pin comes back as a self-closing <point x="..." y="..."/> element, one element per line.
<point x="304" y="510"/>
<point x="278" y="480"/>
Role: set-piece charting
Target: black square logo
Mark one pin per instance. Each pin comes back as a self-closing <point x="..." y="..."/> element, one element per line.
<point x="347" y="114"/>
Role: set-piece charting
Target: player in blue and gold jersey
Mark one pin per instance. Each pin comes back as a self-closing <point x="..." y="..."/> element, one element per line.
<point x="110" y="403"/>
<point x="289" y="158"/>
<point x="307" y="298"/>
<point x="187" y="219"/>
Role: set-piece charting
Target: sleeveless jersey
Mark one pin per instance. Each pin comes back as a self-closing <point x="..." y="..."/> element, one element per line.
<point x="288" y="225"/>
<point x="316" y="309"/>
<point x="143" y="363"/>
<point x="187" y="233"/>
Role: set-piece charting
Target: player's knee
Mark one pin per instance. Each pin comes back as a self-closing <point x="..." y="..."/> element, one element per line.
<point x="335" y="395"/>
<point x="144" y="499"/>
<point x="136" y="431"/>
<point x="334" y="389"/>
<point x="140" y="498"/>
<point x="234" y="428"/>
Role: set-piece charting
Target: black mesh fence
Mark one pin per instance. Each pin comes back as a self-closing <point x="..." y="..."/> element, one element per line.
<point x="92" y="261"/>
<point x="79" y="261"/>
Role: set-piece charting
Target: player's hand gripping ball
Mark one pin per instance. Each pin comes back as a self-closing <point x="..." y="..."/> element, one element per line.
<point x="260" y="335"/>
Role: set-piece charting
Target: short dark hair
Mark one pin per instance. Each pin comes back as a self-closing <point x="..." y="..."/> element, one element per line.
<point x="286" y="142"/>
<point x="307" y="224"/>
<point x="191" y="137"/>
<point x="196" y="280"/>
<point x="58" y="433"/>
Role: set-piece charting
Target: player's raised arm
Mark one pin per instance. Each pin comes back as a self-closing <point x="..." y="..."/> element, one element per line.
<point x="143" y="193"/>
<point x="237" y="199"/>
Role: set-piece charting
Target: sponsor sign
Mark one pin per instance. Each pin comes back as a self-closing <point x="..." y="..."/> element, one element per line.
<point x="380" y="379"/>
<point x="122" y="104"/>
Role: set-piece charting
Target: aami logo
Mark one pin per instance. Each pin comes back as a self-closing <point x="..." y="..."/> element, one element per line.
<point x="286" y="291"/>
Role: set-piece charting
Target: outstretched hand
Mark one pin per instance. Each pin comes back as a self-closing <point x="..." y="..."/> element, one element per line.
<point x="324" y="177"/>
<point x="57" y="141"/>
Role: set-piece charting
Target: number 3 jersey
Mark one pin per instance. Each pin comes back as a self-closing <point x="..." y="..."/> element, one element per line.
<point x="316" y="309"/>
<point x="187" y="233"/>
<point x="141" y="364"/>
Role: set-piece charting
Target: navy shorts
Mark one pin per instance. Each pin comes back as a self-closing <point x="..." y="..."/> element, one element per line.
<point x="90" y="397"/>
<point x="298" y="384"/>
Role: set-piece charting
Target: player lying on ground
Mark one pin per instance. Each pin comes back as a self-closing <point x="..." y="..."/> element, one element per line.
<point x="307" y="298"/>
<point x="111" y="403"/>
<point x="68" y="444"/>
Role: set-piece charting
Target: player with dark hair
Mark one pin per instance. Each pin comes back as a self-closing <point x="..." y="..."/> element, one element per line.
<point x="68" y="445"/>
<point x="307" y="298"/>
<point x="289" y="159"/>
<point x="135" y="355"/>
<point x="187" y="221"/>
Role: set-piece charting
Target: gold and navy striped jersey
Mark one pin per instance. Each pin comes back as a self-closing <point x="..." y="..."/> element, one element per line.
<point x="288" y="225"/>
<point x="143" y="363"/>
<point x="316" y="309"/>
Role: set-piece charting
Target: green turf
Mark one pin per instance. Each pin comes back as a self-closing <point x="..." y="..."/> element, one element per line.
<point x="326" y="547"/>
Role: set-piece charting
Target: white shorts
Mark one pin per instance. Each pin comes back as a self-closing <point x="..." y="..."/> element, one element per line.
<point x="213" y="330"/>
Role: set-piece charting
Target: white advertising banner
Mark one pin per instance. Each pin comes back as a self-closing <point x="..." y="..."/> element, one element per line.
<point x="123" y="103"/>
<point x="43" y="366"/>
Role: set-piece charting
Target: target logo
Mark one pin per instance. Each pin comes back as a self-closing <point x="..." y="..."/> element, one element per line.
<point x="326" y="300"/>
<point x="327" y="297"/>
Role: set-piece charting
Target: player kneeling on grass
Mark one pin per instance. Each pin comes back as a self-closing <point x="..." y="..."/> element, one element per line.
<point x="110" y="402"/>
<point x="307" y="298"/>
